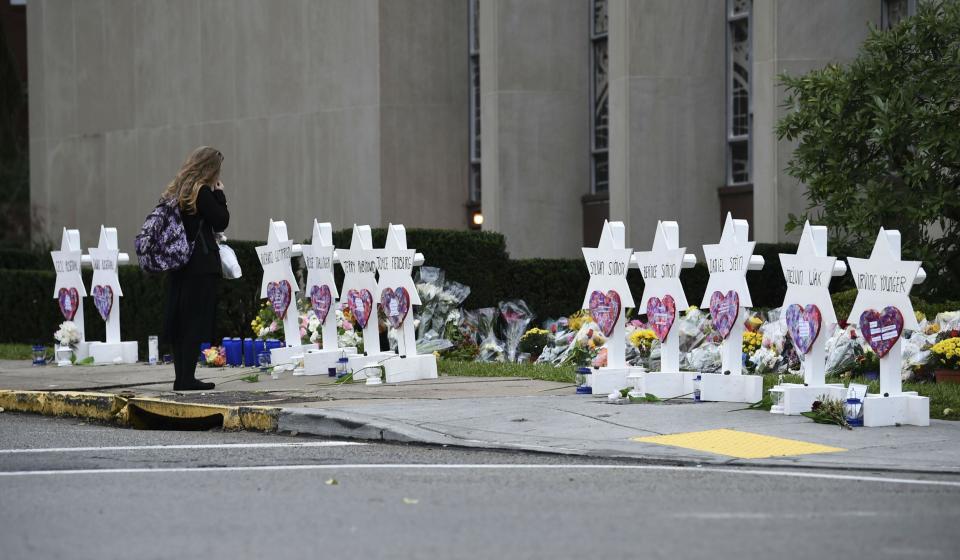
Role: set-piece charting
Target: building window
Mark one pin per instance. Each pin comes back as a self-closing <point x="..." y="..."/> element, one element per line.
<point x="599" y="118"/>
<point x="739" y="110"/>
<point x="474" y="72"/>
<point x="895" y="11"/>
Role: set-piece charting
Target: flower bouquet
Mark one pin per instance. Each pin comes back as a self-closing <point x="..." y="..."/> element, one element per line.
<point x="67" y="337"/>
<point x="215" y="356"/>
<point x="516" y="315"/>
<point x="266" y="324"/>
<point x="534" y="341"/>
<point x="491" y="349"/>
<point x="945" y="358"/>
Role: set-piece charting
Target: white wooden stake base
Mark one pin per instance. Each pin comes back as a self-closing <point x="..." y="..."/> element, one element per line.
<point x="359" y="362"/>
<point x="319" y="362"/>
<point x="666" y="385"/>
<point x="411" y="368"/>
<point x="287" y="354"/>
<point x="797" y="398"/>
<point x="113" y="352"/>
<point x="731" y="388"/>
<point x="905" y="409"/>
<point x="83" y="350"/>
<point x="607" y="380"/>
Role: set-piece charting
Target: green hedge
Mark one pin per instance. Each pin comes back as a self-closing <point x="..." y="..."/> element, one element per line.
<point x="551" y="287"/>
<point x="23" y="259"/>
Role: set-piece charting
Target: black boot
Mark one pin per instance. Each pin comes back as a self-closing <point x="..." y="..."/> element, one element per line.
<point x="193" y="385"/>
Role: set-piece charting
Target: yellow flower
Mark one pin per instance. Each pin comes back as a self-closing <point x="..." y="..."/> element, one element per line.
<point x="578" y="319"/>
<point x="642" y="337"/>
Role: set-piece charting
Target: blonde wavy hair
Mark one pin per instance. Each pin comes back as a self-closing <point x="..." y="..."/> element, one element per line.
<point x="201" y="168"/>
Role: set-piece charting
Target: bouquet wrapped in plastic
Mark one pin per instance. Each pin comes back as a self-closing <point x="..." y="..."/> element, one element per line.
<point x="516" y="315"/>
<point x="705" y="358"/>
<point x="560" y="339"/>
<point x="491" y="348"/>
<point x="429" y="282"/>
<point x="695" y="330"/>
<point x="842" y="349"/>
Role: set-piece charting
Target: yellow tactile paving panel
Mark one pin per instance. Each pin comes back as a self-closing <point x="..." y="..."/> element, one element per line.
<point x="742" y="445"/>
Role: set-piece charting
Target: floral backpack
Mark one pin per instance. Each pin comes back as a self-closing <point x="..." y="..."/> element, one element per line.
<point x="162" y="243"/>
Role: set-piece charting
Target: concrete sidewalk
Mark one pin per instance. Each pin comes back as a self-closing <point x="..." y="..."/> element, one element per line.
<point x="515" y="413"/>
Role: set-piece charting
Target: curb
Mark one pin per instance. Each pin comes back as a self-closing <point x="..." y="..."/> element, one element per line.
<point x="95" y="406"/>
<point x="332" y="423"/>
<point x="143" y="413"/>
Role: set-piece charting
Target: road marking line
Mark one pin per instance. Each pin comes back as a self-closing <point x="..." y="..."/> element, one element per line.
<point x="742" y="445"/>
<point x="399" y="466"/>
<point x="184" y="446"/>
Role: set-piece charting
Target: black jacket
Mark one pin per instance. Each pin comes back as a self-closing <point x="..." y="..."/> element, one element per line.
<point x="212" y="210"/>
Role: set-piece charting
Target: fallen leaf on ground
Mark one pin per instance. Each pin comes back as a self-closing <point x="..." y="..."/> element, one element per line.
<point x="332" y="482"/>
<point x="411" y="501"/>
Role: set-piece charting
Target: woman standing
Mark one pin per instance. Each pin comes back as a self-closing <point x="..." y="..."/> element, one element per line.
<point x="189" y="316"/>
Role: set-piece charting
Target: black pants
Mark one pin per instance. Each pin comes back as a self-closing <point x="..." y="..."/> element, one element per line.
<point x="189" y="318"/>
<point x="185" y="356"/>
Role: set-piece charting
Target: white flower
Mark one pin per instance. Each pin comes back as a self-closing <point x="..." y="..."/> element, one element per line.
<point x="313" y="323"/>
<point x="68" y="334"/>
<point x="315" y="337"/>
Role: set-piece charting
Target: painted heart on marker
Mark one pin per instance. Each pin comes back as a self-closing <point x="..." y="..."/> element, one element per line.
<point x="724" y="310"/>
<point x="396" y="304"/>
<point x="69" y="299"/>
<point x="320" y="301"/>
<point x="361" y="305"/>
<point x="882" y="330"/>
<point x="103" y="300"/>
<point x="661" y="314"/>
<point x="278" y="294"/>
<point x="803" y="324"/>
<point x="605" y="309"/>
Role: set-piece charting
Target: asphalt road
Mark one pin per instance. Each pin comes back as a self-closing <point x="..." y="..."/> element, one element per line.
<point x="75" y="490"/>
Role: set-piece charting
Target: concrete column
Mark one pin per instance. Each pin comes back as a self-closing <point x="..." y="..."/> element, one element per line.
<point x="793" y="36"/>
<point x="423" y="113"/>
<point x="667" y="116"/>
<point x="535" y="122"/>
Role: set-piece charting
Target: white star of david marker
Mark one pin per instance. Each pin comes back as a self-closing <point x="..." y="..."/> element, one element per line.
<point x="660" y="269"/>
<point x="607" y="265"/>
<point x="275" y="259"/>
<point x="808" y="275"/>
<point x="318" y="257"/>
<point x="884" y="280"/>
<point x="395" y="264"/>
<point x="104" y="259"/>
<point x="727" y="262"/>
<point x="359" y="262"/>
<point x="66" y="262"/>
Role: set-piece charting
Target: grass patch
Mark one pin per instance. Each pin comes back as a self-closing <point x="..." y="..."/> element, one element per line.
<point x="10" y="351"/>
<point x="944" y="397"/>
<point x="545" y="372"/>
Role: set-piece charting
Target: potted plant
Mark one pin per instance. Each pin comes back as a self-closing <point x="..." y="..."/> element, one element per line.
<point x="945" y="359"/>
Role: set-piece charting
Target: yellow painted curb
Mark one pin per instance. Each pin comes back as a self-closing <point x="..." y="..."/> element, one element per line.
<point x="742" y="445"/>
<point x="107" y="407"/>
<point x="96" y="406"/>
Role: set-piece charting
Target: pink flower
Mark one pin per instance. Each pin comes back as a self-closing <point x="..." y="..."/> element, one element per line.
<point x="303" y="332"/>
<point x="601" y="359"/>
<point x="347" y="326"/>
<point x="553" y="328"/>
<point x="273" y="327"/>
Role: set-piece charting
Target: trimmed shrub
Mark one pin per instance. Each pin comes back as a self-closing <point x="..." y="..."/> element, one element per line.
<point x="23" y="259"/>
